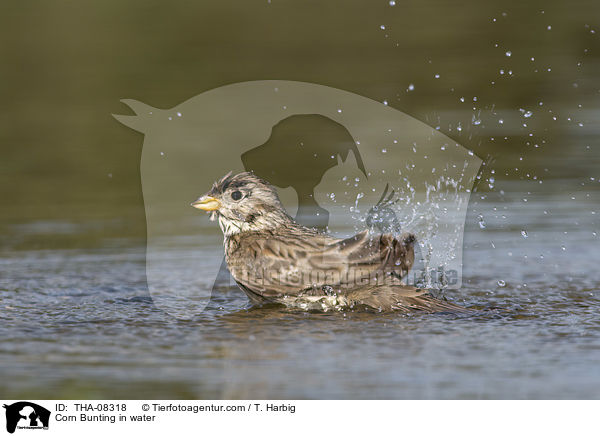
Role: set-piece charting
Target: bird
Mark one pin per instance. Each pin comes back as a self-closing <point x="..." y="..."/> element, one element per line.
<point x="382" y="216"/>
<point x="273" y="259"/>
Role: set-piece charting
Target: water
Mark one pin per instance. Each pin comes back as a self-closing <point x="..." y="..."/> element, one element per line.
<point x="82" y="321"/>
<point x="76" y="319"/>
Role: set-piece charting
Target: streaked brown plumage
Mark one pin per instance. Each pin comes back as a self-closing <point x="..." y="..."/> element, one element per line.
<point x="274" y="259"/>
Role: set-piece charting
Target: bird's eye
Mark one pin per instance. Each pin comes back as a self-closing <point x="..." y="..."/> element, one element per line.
<point x="236" y="195"/>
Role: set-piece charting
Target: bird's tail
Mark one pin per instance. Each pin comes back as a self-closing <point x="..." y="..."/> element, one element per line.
<point x="400" y="298"/>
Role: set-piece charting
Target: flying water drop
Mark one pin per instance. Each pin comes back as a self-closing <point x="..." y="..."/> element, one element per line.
<point x="481" y="221"/>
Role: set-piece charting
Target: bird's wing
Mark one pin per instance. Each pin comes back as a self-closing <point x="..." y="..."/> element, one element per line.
<point x="282" y="264"/>
<point x="366" y="255"/>
<point x="272" y="265"/>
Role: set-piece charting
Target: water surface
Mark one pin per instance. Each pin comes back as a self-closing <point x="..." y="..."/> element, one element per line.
<point x="83" y="322"/>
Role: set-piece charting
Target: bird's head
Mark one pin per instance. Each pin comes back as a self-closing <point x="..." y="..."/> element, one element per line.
<point x="243" y="202"/>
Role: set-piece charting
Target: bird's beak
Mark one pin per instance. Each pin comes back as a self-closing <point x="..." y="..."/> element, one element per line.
<point x="207" y="203"/>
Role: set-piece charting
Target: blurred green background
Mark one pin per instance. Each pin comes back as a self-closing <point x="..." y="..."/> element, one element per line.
<point x="491" y="75"/>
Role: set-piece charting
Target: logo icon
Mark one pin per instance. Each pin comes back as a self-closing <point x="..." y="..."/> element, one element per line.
<point x="26" y="415"/>
<point x="340" y="162"/>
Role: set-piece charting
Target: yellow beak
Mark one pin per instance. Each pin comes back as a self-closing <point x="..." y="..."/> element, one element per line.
<point x="207" y="203"/>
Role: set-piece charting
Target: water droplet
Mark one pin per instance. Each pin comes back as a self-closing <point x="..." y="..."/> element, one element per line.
<point x="481" y="221"/>
<point x="508" y="53"/>
<point x="563" y="248"/>
<point x="392" y="3"/>
<point x="501" y="283"/>
<point x="411" y="87"/>
<point x="382" y="27"/>
<point x="527" y="114"/>
<point x="524" y="233"/>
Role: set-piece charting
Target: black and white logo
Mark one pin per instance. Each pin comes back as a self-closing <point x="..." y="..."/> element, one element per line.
<point x="26" y="415"/>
